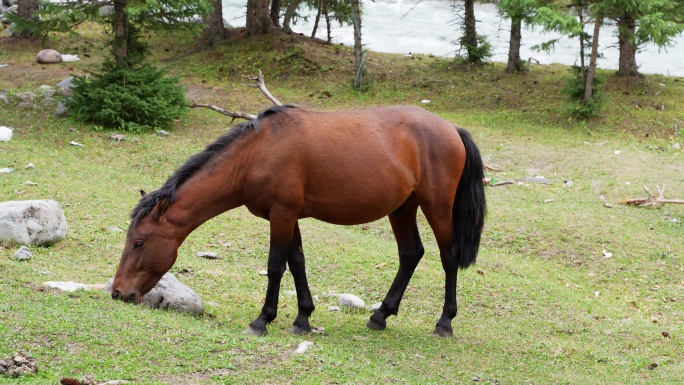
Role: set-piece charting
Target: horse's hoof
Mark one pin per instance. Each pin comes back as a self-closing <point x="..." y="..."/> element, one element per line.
<point x="443" y="333"/>
<point x="375" y="325"/>
<point x="296" y="330"/>
<point x="254" y="332"/>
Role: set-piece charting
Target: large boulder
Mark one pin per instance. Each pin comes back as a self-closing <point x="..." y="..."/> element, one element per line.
<point x="47" y="56"/>
<point x="35" y="222"/>
<point x="169" y="294"/>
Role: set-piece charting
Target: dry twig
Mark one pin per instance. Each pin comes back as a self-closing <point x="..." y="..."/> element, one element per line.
<point x="651" y="200"/>
<point x="241" y="115"/>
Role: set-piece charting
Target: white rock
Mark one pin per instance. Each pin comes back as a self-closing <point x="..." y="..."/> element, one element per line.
<point x="375" y="306"/>
<point x="5" y="134"/>
<point x="67" y="58"/>
<point x="30" y="165"/>
<point x="6" y="170"/>
<point x="303" y="347"/>
<point x="66" y="286"/>
<point x="334" y="308"/>
<point x="170" y="294"/>
<point x="33" y="222"/>
<point x="351" y="301"/>
<point x="263" y="272"/>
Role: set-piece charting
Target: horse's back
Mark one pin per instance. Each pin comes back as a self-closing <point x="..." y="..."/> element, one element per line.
<point x="356" y="166"/>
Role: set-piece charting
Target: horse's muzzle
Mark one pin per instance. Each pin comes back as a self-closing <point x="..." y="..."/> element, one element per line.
<point x="116" y="294"/>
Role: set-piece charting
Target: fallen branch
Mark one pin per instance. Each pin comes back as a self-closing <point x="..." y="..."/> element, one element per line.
<point x="234" y="115"/>
<point x="490" y="168"/>
<point x="651" y="200"/>
<point x="261" y="84"/>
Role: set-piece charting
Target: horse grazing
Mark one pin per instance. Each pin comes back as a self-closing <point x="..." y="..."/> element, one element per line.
<point x="345" y="168"/>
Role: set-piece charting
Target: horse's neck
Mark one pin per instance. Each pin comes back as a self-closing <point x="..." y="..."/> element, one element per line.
<point x="211" y="191"/>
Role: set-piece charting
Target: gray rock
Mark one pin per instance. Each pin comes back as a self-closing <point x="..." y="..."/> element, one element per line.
<point x="33" y="222"/>
<point x="48" y="56"/>
<point x="3" y="97"/>
<point x="27" y="96"/>
<point x="162" y="133"/>
<point x="62" y="110"/>
<point x="106" y="10"/>
<point x="25" y="104"/>
<point x="12" y="7"/>
<point x="47" y="92"/>
<point x="351" y="301"/>
<point x="530" y="179"/>
<point x="375" y="306"/>
<point x="207" y="255"/>
<point x="170" y="294"/>
<point x="334" y="308"/>
<point x="23" y="254"/>
<point x="49" y="102"/>
<point x="65" y="86"/>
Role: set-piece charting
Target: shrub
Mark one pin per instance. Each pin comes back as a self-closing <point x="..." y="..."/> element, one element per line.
<point x="574" y="90"/>
<point x="133" y="98"/>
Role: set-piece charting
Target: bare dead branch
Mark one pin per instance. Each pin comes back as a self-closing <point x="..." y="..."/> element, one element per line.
<point x="262" y="86"/>
<point x="651" y="200"/>
<point x="487" y="167"/>
<point x="234" y="115"/>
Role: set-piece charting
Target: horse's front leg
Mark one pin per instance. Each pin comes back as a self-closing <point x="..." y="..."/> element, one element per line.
<point x="282" y="229"/>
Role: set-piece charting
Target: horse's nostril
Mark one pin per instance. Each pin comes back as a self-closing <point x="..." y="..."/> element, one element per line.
<point x="116" y="294"/>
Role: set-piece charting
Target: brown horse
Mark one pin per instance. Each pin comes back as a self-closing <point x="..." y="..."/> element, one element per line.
<point x="345" y="168"/>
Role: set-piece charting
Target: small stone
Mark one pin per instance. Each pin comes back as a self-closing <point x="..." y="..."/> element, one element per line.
<point x="47" y="92"/>
<point x="30" y="166"/>
<point x="49" y="102"/>
<point x="207" y="255"/>
<point x="65" y="86"/>
<point x="303" y="347"/>
<point x="23" y="254"/>
<point x="66" y="286"/>
<point x="677" y="146"/>
<point x="334" y="308"/>
<point x="375" y="306"/>
<point x="162" y="133"/>
<point x="77" y="144"/>
<point x="62" y="110"/>
<point x="315" y="298"/>
<point x="290" y="293"/>
<point x="27" y="96"/>
<point x="263" y="272"/>
<point x="351" y="301"/>
<point x="113" y="229"/>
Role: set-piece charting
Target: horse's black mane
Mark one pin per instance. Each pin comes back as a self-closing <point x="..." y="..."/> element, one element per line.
<point x="168" y="191"/>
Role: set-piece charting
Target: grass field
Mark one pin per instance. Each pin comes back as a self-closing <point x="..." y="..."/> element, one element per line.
<point x="543" y="305"/>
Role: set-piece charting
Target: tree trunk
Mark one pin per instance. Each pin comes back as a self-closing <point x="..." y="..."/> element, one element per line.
<point x="580" y="13"/>
<point x="318" y="19"/>
<point x="122" y="31"/>
<point x="289" y="14"/>
<point x="514" y="46"/>
<point x="470" y="33"/>
<point x="275" y="12"/>
<point x="358" y="47"/>
<point x="627" y="64"/>
<point x="327" y="21"/>
<point x="25" y="10"/>
<point x="214" y="31"/>
<point x="589" y="85"/>
<point x="258" y="18"/>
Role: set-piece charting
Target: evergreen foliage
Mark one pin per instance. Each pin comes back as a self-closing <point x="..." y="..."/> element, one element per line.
<point x="574" y="90"/>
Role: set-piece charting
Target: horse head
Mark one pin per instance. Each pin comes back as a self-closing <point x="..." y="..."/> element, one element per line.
<point x="151" y="249"/>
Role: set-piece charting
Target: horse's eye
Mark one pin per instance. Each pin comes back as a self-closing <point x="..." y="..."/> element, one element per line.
<point x="138" y="244"/>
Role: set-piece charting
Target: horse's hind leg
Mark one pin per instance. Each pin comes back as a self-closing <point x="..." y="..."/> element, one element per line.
<point x="439" y="219"/>
<point x="304" y="300"/>
<point x="410" y="252"/>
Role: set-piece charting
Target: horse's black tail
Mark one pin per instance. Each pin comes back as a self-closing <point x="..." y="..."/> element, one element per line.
<point x="470" y="205"/>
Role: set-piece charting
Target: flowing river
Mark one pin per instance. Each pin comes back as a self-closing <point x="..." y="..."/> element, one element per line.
<point x="430" y="27"/>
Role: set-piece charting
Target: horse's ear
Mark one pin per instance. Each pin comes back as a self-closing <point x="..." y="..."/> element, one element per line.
<point x="160" y="208"/>
<point x="143" y="193"/>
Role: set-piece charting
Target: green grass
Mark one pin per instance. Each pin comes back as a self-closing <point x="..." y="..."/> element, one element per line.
<point x="542" y="305"/>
